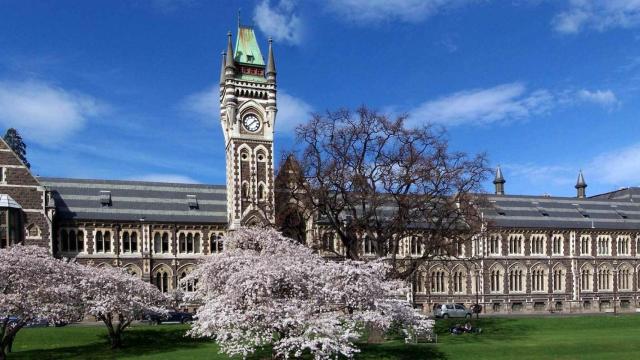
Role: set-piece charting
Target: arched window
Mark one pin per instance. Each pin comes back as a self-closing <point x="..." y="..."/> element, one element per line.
<point x="162" y="279"/>
<point x="187" y="286"/>
<point x="367" y="244"/>
<point x="586" y="279"/>
<point x="126" y="242"/>
<point x="129" y="242"/>
<point x="559" y="275"/>
<point x="134" y="270"/>
<point x="419" y="281"/>
<point x="261" y="192"/>
<point x="415" y="246"/>
<point x="196" y="243"/>
<point x="189" y="243"/>
<point x="165" y="243"/>
<point x="327" y="241"/>
<point x="438" y="281"/>
<point x="515" y="244"/>
<point x="73" y="245"/>
<point x="496" y="280"/>
<point x="134" y="241"/>
<point x="605" y="278"/>
<point x="459" y="281"/>
<point x="157" y="243"/>
<point x="557" y="245"/>
<point x="216" y="244"/>
<point x="245" y="190"/>
<point x="585" y="245"/>
<point x="494" y="244"/>
<point x="102" y="240"/>
<point x="516" y="279"/>
<point x="537" y="244"/>
<point x="624" y="245"/>
<point x="538" y="279"/>
<point x="604" y="244"/>
<point x="625" y="278"/>
<point x="182" y="240"/>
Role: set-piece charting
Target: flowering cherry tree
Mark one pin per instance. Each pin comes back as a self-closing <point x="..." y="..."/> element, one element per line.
<point x="116" y="298"/>
<point x="35" y="285"/>
<point x="266" y="289"/>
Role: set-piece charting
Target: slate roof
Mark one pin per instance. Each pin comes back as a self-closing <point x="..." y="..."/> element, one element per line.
<point x="605" y="211"/>
<point x="119" y="200"/>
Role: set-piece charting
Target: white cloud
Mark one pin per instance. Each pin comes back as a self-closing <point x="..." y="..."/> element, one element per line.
<point x="619" y="167"/>
<point x="292" y="111"/>
<point x="367" y="11"/>
<point x="500" y="103"/>
<point x="168" y="178"/>
<point x="601" y="97"/>
<point x="279" y="21"/>
<point x="597" y="14"/>
<point x="205" y="104"/>
<point x="44" y="113"/>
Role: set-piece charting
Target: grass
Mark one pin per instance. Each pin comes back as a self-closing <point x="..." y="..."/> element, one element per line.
<point x="579" y="337"/>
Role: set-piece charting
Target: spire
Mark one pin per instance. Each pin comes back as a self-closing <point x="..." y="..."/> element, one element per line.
<point x="224" y="60"/>
<point x="581" y="186"/>
<point x="499" y="181"/>
<point x="229" y="62"/>
<point x="271" y="64"/>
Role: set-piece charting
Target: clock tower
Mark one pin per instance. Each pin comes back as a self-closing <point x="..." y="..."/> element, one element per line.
<point x="247" y="116"/>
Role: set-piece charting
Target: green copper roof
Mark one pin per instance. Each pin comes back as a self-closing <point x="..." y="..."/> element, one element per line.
<point x="247" y="50"/>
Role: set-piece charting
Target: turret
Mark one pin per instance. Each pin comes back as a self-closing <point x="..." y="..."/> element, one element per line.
<point x="581" y="186"/>
<point x="271" y="64"/>
<point x="222" y="67"/>
<point x="230" y="67"/>
<point x="499" y="182"/>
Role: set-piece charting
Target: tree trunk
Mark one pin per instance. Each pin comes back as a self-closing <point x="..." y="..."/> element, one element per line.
<point x="116" y="340"/>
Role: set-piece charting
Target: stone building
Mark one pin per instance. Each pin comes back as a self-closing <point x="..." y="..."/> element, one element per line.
<point x="537" y="253"/>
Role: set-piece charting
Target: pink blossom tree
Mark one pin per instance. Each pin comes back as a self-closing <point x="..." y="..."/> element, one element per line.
<point x="116" y="298"/>
<point x="267" y="290"/>
<point x="35" y="285"/>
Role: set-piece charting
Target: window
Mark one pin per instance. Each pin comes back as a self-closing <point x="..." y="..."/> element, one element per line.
<point x="438" y="281"/>
<point x="416" y="245"/>
<point x="585" y="245"/>
<point x="161" y="243"/>
<point x="605" y="280"/>
<point x="538" y="279"/>
<point x="102" y="240"/>
<point x="105" y="198"/>
<point x="624" y="245"/>
<point x="625" y="276"/>
<point x="418" y="283"/>
<point x="558" y="279"/>
<point x="133" y="270"/>
<point x="71" y="240"/>
<point x="557" y="245"/>
<point x="216" y="244"/>
<point x="245" y="190"/>
<point x="586" y="279"/>
<point x="129" y="241"/>
<point x="192" y="201"/>
<point x="537" y="244"/>
<point x="459" y="282"/>
<point x="515" y="244"/>
<point x="496" y="280"/>
<point x="261" y="192"/>
<point x="188" y="286"/>
<point x="604" y="244"/>
<point x="516" y="279"/>
<point x="189" y="243"/>
<point x="368" y="246"/>
<point x="162" y="277"/>
<point x="494" y="244"/>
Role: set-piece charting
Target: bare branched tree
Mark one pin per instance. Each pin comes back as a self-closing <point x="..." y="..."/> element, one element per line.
<point x="362" y="175"/>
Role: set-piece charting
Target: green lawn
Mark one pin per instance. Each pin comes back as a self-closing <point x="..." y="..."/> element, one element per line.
<point x="584" y="337"/>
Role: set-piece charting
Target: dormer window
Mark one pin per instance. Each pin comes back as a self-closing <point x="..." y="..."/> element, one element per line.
<point x="250" y="58"/>
<point x="105" y="198"/>
<point x="192" y="201"/>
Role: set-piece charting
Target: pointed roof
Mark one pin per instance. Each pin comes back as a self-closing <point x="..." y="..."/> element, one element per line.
<point x="247" y="50"/>
<point x="229" y="62"/>
<point x="499" y="179"/>
<point x="224" y="60"/>
<point x="271" y="63"/>
<point x="581" y="183"/>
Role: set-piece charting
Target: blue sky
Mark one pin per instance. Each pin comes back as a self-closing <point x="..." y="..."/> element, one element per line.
<point x="127" y="89"/>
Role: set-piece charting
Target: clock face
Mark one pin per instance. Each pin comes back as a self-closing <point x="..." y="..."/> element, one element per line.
<point x="251" y="123"/>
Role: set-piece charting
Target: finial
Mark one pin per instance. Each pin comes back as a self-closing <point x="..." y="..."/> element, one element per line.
<point x="222" y="70"/>
<point x="499" y="181"/>
<point x="229" y="62"/>
<point x="581" y="186"/>
<point x="271" y="64"/>
<point x="239" y="17"/>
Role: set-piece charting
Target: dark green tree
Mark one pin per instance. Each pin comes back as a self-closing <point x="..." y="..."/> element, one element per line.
<point x="14" y="140"/>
